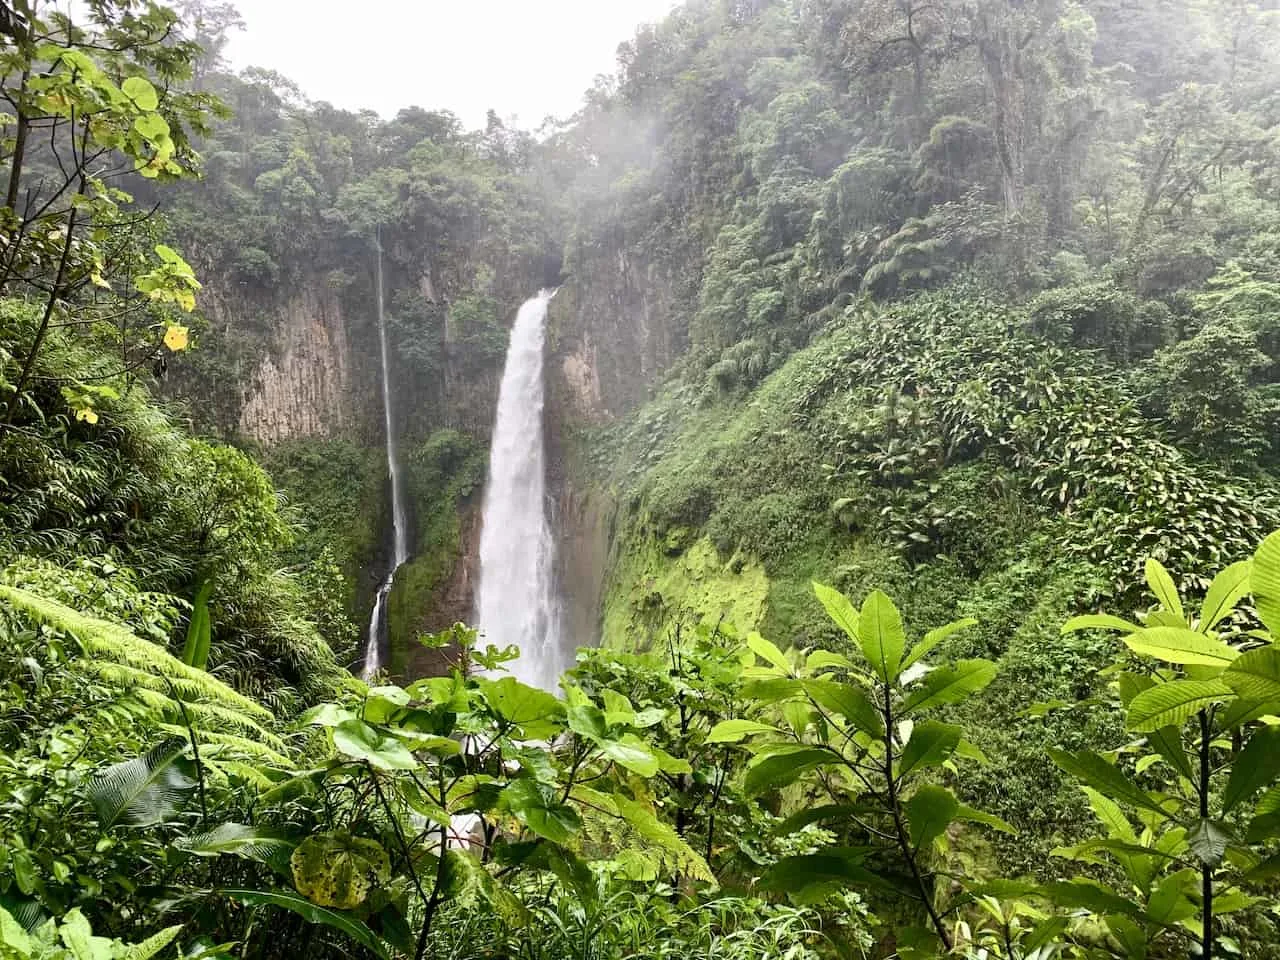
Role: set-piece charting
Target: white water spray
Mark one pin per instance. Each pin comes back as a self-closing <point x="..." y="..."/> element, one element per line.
<point x="515" y="601"/>
<point x="375" y="646"/>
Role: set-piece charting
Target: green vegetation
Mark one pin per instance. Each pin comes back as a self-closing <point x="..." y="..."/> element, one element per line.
<point x="445" y="480"/>
<point x="321" y="481"/>
<point x="971" y="304"/>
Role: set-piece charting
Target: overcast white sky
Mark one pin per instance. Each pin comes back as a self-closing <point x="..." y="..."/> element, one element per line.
<point x="529" y="58"/>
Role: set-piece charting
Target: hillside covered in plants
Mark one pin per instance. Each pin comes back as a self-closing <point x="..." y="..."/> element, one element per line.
<point x="912" y="394"/>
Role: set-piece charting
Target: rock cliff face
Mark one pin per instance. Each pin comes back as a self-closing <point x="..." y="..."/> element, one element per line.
<point x="616" y="327"/>
<point x="303" y="386"/>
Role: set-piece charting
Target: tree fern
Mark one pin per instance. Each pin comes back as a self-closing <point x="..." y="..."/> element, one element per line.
<point x="149" y="675"/>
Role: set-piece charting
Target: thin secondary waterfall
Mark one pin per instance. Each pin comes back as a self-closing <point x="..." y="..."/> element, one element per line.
<point x="515" y="601"/>
<point x="375" y="647"/>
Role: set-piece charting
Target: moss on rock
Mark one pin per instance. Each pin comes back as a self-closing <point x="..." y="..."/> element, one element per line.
<point x="652" y="584"/>
<point x="444" y="475"/>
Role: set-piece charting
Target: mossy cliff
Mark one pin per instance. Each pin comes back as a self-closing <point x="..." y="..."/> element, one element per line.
<point x="903" y="449"/>
<point x="445" y="483"/>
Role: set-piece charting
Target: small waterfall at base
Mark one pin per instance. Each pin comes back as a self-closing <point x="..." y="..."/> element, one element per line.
<point x="515" y="600"/>
<point x="375" y="646"/>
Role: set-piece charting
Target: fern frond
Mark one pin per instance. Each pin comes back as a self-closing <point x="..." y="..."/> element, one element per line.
<point x="152" y="946"/>
<point x="111" y="642"/>
<point x="242" y="746"/>
<point x="642" y="823"/>
<point x="205" y="716"/>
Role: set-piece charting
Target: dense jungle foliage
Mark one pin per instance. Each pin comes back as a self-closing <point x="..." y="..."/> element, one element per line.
<point x="973" y="304"/>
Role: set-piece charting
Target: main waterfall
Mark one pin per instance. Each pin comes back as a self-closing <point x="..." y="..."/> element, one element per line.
<point x="515" y="601"/>
<point x="375" y="646"/>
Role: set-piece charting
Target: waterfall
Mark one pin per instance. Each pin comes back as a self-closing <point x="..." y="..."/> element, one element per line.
<point x="515" y="601"/>
<point x="376" y="645"/>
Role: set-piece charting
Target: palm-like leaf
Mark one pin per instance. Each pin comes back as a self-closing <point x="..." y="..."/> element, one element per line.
<point x="146" y="790"/>
<point x="259" y="844"/>
<point x="289" y="900"/>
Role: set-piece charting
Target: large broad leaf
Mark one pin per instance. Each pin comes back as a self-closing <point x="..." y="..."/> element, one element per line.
<point x="360" y="741"/>
<point x="536" y="806"/>
<point x="1095" y="771"/>
<point x="849" y="701"/>
<point x="1089" y="895"/>
<point x="838" y="609"/>
<point x="1256" y="675"/>
<point x="14" y="940"/>
<point x="259" y="844"/>
<point x="1180" y="645"/>
<point x="141" y="92"/>
<point x="765" y="650"/>
<point x="288" y="900"/>
<point x="1257" y="766"/>
<point x="1244" y="710"/>
<point x="935" y="637"/>
<point x="1098" y="621"/>
<point x="772" y="689"/>
<point x="950" y="684"/>
<point x="633" y="753"/>
<point x="732" y="731"/>
<point x="1228" y="588"/>
<point x="199" y="631"/>
<point x="781" y="768"/>
<point x="1111" y="816"/>
<point x="77" y="936"/>
<point x="1208" y="840"/>
<point x="1166" y="741"/>
<point x="1162" y="585"/>
<point x="1169" y="903"/>
<point x="534" y="712"/>
<point x="1264" y="582"/>
<point x="588" y="720"/>
<point x="339" y="870"/>
<point x="931" y="744"/>
<point x="1169" y="704"/>
<point x="146" y="790"/>
<point x="930" y="810"/>
<point x="881" y="636"/>
<point x="798" y="876"/>
<point x="973" y="815"/>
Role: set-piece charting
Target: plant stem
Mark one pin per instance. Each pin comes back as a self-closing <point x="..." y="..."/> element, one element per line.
<point x="19" y="146"/>
<point x="195" y="752"/>
<point x="28" y="365"/>
<point x="405" y="851"/>
<point x="1206" y="871"/>
<point x="434" y="902"/>
<point x="900" y="827"/>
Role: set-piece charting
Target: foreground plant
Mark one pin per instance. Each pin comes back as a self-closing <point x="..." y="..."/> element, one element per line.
<point x="1191" y="810"/>
<point x="72" y="938"/>
<point x="853" y="748"/>
<point x="436" y="792"/>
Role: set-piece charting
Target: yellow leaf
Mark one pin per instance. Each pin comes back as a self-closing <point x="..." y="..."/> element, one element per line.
<point x="175" y="338"/>
<point x="99" y="280"/>
<point x="87" y="414"/>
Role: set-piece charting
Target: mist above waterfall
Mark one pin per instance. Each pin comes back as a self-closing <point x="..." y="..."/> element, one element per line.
<point x="516" y="600"/>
